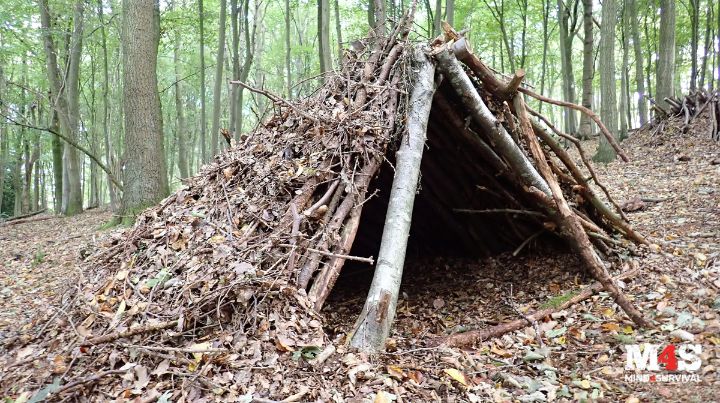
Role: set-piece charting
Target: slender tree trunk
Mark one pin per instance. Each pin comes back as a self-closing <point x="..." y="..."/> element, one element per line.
<point x="708" y="46"/>
<point x="568" y="79"/>
<point x="146" y="180"/>
<point x="324" y="36"/>
<point x="288" y="69"/>
<point x="717" y="53"/>
<point x="73" y="191"/>
<point x="438" y="16"/>
<point x="608" y="106"/>
<point x="546" y="36"/>
<point x="637" y="50"/>
<point x="523" y="4"/>
<point x="203" y="107"/>
<point x="338" y="29"/>
<point x="217" y="92"/>
<point x="450" y="12"/>
<point x="624" y="102"/>
<point x="112" y="190"/>
<point x="250" y="46"/>
<point x="17" y="173"/>
<point x="235" y="47"/>
<point x="380" y="16"/>
<point x="586" y="129"/>
<point x="694" y="40"/>
<point x="180" y="129"/>
<point x="59" y="103"/>
<point x="3" y="135"/>
<point x="666" y="57"/>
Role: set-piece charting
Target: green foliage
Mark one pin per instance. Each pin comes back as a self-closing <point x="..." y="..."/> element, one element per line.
<point x="558" y="300"/>
<point x="38" y="258"/>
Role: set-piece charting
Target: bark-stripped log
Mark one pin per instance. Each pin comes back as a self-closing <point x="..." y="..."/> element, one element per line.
<point x="373" y="325"/>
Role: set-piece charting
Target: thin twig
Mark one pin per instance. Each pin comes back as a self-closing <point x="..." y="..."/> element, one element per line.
<point x="368" y="260"/>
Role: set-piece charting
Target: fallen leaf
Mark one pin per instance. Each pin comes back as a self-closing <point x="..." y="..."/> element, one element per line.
<point x="456" y="375"/>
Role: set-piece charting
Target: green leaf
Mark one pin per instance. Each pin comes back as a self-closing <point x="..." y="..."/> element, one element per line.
<point x="44" y="392"/>
<point x="556" y="332"/>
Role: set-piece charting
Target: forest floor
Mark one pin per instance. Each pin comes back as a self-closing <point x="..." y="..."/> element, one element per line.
<point x="582" y="353"/>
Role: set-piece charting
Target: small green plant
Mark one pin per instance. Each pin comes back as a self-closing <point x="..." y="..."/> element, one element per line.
<point x="39" y="258"/>
<point x="558" y="300"/>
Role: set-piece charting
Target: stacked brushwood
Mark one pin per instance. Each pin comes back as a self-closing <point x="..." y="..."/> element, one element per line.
<point x="701" y="104"/>
<point x="229" y="273"/>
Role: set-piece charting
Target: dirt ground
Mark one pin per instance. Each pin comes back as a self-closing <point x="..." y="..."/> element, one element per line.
<point x="582" y="355"/>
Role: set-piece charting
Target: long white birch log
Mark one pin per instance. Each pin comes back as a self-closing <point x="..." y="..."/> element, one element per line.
<point x="373" y="325"/>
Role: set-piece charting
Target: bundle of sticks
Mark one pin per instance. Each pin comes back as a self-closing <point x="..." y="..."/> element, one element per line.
<point x="688" y="108"/>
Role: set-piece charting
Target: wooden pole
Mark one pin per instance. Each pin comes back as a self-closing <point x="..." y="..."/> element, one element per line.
<point x="373" y="325"/>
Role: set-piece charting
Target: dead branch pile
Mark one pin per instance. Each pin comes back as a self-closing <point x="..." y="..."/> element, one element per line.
<point x="687" y="109"/>
<point x="228" y="274"/>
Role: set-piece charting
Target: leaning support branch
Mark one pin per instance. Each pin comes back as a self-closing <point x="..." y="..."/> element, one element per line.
<point x="570" y="223"/>
<point x="373" y="325"/>
<point x="484" y="118"/>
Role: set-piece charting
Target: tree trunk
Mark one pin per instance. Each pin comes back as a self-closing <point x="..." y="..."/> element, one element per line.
<point x="180" y="129"/>
<point x="112" y="190"/>
<point x="608" y="106"/>
<point x="649" y="55"/>
<point x="586" y="129"/>
<point x="637" y="49"/>
<point x="57" y="153"/>
<point x="3" y="136"/>
<point x="708" y="47"/>
<point x="145" y="171"/>
<point x="379" y="15"/>
<point x="217" y="92"/>
<point x="59" y="102"/>
<point x="717" y="53"/>
<point x="338" y="29"/>
<point x="568" y="80"/>
<point x="546" y="37"/>
<point x="288" y="69"/>
<point x="694" y="40"/>
<point x="235" y="52"/>
<point x="373" y="325"/>
<point x="250" y="46"/>
<point x="666" y="58"/>
<point x="450" y="12"/>
<point x="203" y="107"/>
<point x="437" y="18"/>
<point x="624" y="102"/>
<point x="324" y="36"/>
<point x="72" y="185"/>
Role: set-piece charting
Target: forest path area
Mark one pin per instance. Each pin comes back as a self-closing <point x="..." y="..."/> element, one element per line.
<point x="38" y="260"/>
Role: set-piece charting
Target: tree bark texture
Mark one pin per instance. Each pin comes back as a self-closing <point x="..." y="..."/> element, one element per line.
<point x="217" y="89"/>
<point x="637" y="50"/>
<point x="608" y="101"/>
<point x="585" y="131"/>
<point x="666" y="56"/>
<point x="145" y="171"/>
